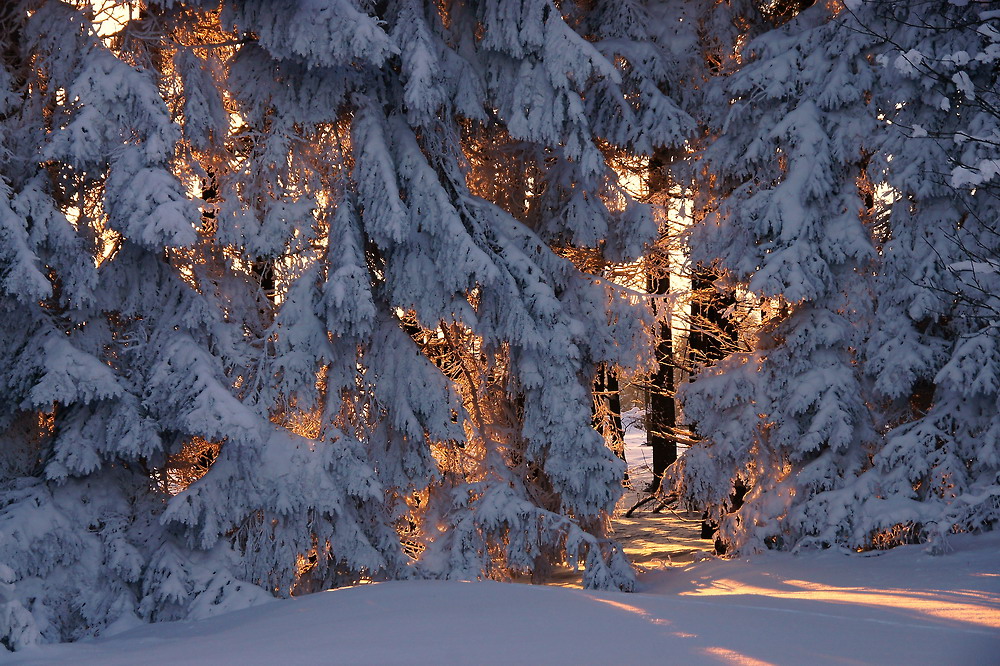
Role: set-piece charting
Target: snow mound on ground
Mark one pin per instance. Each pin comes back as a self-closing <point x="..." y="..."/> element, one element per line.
<point x="903" y="606"/>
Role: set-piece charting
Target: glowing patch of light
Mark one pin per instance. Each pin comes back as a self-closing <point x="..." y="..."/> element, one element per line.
<point x="641" y="612"/>
<point x="732" y="657"/>
<point x="111" y="16"/>
<point x="966" y="606"/>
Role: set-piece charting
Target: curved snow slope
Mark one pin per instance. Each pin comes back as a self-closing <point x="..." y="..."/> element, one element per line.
<point x="900" y="607"/>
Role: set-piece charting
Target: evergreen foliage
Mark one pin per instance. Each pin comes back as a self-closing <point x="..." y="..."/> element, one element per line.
<point x="855" y="196"/>
<point x="934" y="356"/>
<point x="269" y="326"/>
<point x="787" y="419"/>
<point x="299" y="294"/>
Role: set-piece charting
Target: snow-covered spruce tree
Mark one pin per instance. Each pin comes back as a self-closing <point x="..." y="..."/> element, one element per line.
<point x="117" y="350"/>
<point x="486" y="457"/>
<point x="787" y="419"/>
<point x="934" y="350"/>
<point x="290" y="506"/>
<point x="332" y="144"/>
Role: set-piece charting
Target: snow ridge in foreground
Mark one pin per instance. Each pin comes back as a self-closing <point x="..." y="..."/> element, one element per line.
<point x="903" y="606"/>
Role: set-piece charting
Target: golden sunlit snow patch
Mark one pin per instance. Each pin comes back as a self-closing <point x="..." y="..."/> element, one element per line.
<point x="965" y="606"/>
<point x="732" y="657"/>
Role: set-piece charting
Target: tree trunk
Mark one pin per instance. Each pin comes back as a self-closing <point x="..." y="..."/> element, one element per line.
<point x="661" y="416"/>
<point x="713" y="334"/>
<point x="661" y="413"/>
<point x="608" y="417"/>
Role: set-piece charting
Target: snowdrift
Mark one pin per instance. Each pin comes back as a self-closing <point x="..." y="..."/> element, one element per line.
<point x="902" y="606"/>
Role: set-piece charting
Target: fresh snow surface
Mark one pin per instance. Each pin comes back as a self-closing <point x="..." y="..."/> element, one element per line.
<point x="900" y="607"/>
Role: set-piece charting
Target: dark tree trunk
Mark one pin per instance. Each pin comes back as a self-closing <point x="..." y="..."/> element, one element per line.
<point x="263" y="271"/>
<point x="661" y="416"/>
<point x="615" y="407"/>
<point x="713" y="334"/>
<point x="607" y="390"/>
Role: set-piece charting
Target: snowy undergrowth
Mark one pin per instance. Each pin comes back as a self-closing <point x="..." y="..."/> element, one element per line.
<point x="902" y="606"/>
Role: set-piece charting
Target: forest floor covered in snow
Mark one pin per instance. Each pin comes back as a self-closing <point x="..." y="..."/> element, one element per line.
<point x="654" y="536"/>
<point x="902" y="606"/>
<point x="899" y="607"/>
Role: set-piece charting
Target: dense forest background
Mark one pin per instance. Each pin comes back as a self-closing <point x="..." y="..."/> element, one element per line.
<point x="298" y="294"/>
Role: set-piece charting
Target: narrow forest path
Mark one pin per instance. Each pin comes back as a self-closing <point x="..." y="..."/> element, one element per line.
<point x="652" y="540"/>
<point x="658" y="540"/>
